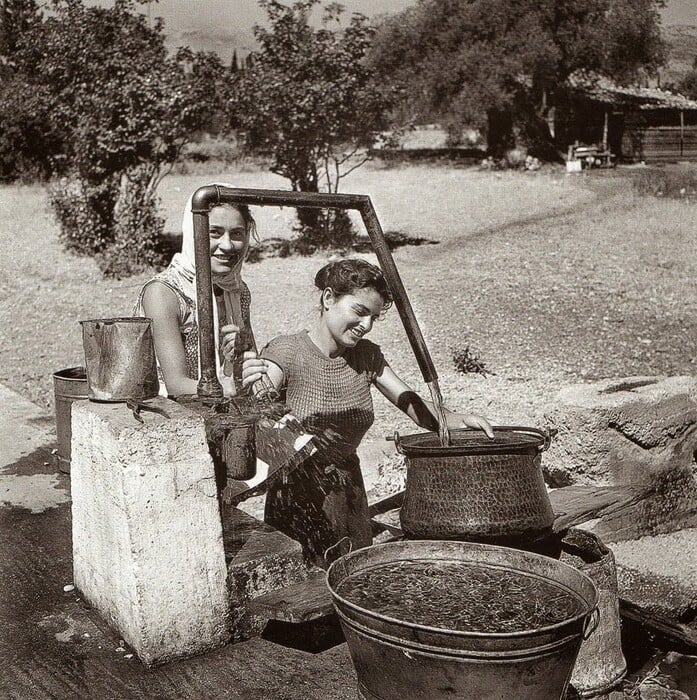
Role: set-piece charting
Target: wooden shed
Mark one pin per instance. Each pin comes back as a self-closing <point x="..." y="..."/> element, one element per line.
<point x="635" y="123"/>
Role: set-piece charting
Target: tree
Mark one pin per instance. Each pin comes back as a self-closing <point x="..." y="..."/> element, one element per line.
<point x="23" y="132"/>
<point x="308" y="96"/>
<point x="17" y="17"/>
<point x="495" y="63"/>
<point x="115" y="111"/>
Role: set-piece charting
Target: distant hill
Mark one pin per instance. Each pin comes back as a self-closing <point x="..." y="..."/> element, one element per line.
<point x="682" y="39"/>
<point x="222" y="41"/>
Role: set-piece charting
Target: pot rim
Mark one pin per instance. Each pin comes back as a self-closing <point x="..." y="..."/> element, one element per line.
<point x="529" y="439"/>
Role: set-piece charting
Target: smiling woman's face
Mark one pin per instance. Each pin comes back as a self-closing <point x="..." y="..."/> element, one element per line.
<point x="351" y="316"/>
<point x="228" y="238"/>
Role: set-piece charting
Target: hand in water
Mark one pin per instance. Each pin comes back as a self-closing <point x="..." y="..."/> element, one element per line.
<point x="470" y="420"/>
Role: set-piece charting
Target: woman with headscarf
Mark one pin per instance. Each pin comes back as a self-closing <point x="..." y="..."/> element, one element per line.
<point x="169" y="299"/>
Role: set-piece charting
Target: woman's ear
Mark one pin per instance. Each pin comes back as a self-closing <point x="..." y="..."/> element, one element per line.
<point x="328" y="298"/>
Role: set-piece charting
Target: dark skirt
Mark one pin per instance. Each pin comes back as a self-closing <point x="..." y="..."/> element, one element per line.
<point x="321" y="505"/>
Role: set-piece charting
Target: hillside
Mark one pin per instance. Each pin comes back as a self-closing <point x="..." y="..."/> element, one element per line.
<point x="682" y="39"/>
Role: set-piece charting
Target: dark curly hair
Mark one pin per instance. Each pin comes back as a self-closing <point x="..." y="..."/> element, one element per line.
<point x="349" y="275"/>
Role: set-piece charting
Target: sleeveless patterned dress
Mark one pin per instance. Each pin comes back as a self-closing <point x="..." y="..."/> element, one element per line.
<point x="188" y="324"/>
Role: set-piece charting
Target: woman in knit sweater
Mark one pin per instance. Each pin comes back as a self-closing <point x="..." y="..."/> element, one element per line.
<point x="325" y="375"/>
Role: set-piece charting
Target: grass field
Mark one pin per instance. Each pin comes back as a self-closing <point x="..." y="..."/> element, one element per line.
<point x="549" y="278"/>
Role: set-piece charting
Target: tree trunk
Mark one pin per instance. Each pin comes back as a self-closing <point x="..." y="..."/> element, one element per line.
<point x="307" y="217"/>
<point x="499" y="132"/>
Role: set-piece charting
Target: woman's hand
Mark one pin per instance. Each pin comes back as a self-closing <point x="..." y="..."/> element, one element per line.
<point x="253" y="368"/>
<point x="229" y="333"/>
<point x="469" y="420"/>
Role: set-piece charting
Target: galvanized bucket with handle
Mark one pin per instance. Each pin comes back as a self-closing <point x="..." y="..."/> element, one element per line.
<point x="120" y="359"/>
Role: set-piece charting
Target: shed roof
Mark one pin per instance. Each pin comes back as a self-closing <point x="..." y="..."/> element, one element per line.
<point x="600" y="89"/>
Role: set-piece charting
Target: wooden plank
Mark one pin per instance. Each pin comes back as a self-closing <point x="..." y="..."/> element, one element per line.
<point x="667" y="633"/>
<point x="577" y="503"/>
<point x="301" y="602"/>
<point x="387" y="503"/>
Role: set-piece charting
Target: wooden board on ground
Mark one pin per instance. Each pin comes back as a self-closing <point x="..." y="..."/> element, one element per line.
<point x="301" y="602"/>
<point x="667" y="633"/>
<point x="577" y="504"/>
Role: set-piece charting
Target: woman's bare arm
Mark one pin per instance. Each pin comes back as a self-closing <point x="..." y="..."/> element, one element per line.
<point x="423" y="412"/>
<point x="161" y="305"/>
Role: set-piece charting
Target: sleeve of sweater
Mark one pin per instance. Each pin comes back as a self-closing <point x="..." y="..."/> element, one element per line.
<point x="374" y="360"/>
<point x="282" y="351"/>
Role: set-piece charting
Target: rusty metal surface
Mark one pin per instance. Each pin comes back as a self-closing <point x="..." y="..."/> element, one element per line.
<point x="120" y="359"/>
<point x="481" y="497"/>
<point x="69" y="385"/>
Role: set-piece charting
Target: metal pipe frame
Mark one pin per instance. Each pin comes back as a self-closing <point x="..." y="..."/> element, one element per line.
<point x="209" y="196"/>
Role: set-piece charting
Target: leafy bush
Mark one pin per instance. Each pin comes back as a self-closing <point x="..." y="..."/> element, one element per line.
<point x="111" y="111"/>
<point x="670" y="182"/>
<point x="467" y="362"/>
<point x="85" y="213"/>
<point x="136" y="210"/>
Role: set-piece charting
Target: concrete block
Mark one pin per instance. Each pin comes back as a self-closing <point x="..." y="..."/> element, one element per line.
<point x="147" y="535"/>
<point x="622" y="431"/>
<point x="260" y="560"/>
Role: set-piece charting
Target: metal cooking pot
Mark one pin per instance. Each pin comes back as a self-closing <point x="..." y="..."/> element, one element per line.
<point x="476" y="488"/>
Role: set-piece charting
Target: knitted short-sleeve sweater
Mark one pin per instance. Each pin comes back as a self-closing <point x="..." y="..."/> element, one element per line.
<point x="330" y="396"/>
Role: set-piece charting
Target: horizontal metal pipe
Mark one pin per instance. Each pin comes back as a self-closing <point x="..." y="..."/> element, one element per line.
<point x="214" y="194"/>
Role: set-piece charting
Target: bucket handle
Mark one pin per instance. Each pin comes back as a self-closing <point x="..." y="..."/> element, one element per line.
<point x="397" y="443"/>
<point x="591" y="622"/>
<point x="335" y="545"/>
<point x="544" y="434"/>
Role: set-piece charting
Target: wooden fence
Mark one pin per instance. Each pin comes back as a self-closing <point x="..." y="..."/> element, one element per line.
<point x="655" y="144"/>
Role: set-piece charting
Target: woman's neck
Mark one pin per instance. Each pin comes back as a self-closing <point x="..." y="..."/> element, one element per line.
<point x="324" y="340"/>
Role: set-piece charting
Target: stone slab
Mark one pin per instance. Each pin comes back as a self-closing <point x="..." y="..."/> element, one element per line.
<point x="147" y="535"/>
<point x="621" y="431"/>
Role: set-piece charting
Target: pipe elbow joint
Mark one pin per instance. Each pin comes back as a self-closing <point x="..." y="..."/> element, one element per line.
<point x="204" y="198"/>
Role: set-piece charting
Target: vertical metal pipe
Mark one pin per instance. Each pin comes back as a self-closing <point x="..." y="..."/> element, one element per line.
<point x="208" y="385"/>
<point x="411" y="325"/>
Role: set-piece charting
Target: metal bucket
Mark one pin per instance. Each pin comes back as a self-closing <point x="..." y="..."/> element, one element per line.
<point x="398" y="660"/>
<point x="476" y="489"/>
<point x="120" y="359"/>
<point x="600" y="665"/>
<point x="68" y="385"/>
<point x="232" y="442"/>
